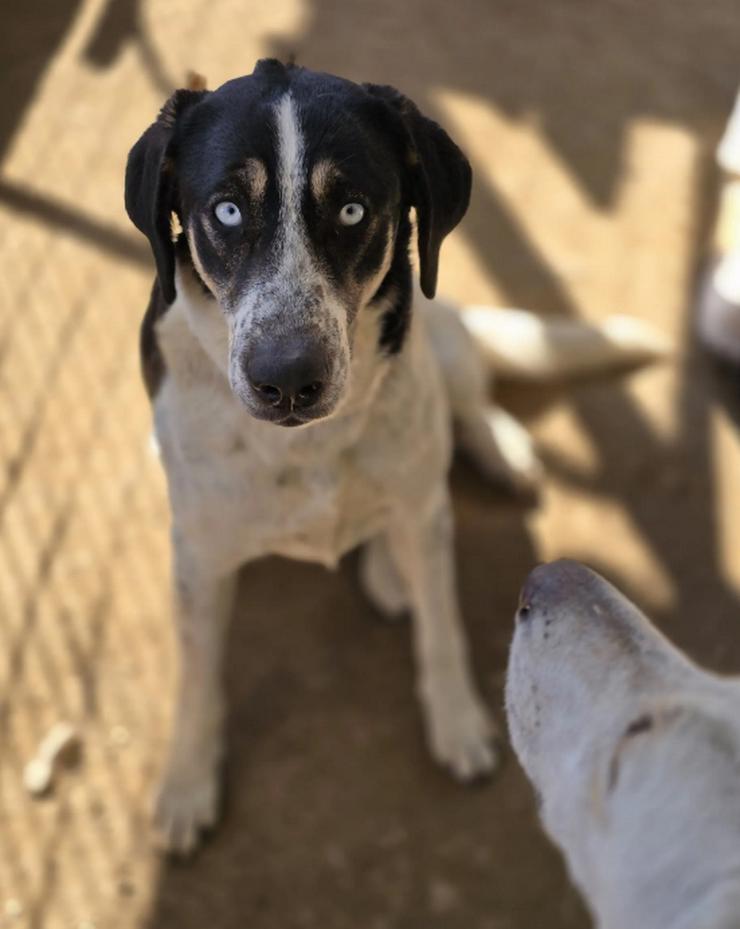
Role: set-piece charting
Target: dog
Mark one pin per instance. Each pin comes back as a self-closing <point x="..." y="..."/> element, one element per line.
<point x="634" y="752"/>
<point x="300" y="406"/>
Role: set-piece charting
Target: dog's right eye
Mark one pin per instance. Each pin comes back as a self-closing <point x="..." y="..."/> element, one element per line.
<point x="228" y="213"/>
<point x="351" y="214"/>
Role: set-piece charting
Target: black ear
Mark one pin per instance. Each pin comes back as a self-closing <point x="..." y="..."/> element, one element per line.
<point x="151" y="185"/>
<point x="440" y="180"/>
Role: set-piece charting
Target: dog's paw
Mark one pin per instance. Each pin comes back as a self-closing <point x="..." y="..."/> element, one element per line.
<point x="380" y="580"/>
<point x="524" y="480"/>
<point x="187" y="804"/>
<point x="462" y="736"/>
<point x="502" y="450"/>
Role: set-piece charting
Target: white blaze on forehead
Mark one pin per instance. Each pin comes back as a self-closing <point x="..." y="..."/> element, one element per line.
<point x="291" y="176"/>
<point x="296" y="270"/>
<point x="293" y="292"/>
<point x="297" y="273"/>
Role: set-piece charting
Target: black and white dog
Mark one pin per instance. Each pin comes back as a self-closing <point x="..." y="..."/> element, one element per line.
<point x="301" y="408"/>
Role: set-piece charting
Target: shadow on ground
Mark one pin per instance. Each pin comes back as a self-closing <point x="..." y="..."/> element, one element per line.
<point x="336" y="817"/>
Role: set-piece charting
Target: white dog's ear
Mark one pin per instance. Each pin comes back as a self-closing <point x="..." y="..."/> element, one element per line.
<point x="151" y="186"/>
<point x="439" y="178"/>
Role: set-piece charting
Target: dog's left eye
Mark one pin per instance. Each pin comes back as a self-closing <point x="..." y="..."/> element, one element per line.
<point x="351" y="214"/>
<point x="228" y="213"/>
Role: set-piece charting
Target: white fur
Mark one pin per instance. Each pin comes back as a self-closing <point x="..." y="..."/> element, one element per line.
<point x="241" y="488"/>
<point x="718" y="317"/>
<point x="634" y="751"/>
<point x="523" y="345"/>
<point x="728" y="150"/>
<point x="373" y="470"/>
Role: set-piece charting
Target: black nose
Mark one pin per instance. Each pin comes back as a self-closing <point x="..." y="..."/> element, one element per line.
<point x="287" y="374"/>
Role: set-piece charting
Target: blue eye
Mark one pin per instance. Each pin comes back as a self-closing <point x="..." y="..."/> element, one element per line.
<point x="351" y="214"/>
<point x="228" y="213"/>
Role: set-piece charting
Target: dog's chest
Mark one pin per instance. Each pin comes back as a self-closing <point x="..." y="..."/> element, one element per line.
<point x="240" y="504"/>
<point x="241" y="488"/>
<point x="305" y="509"/>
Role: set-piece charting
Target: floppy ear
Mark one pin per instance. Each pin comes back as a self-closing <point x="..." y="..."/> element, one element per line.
<point x="440" y="180"/>
<point x="151" y="185"/>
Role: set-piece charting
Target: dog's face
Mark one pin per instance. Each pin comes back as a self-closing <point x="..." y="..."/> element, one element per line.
<point x="581" y="657"/>
<point x="293" y="189"/>
<point x="633" y="750"/>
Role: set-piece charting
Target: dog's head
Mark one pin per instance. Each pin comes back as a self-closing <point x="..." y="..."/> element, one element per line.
<point x="293" y="190"/>
<point x="633" y="749"/>
<point x="582" y="654"/>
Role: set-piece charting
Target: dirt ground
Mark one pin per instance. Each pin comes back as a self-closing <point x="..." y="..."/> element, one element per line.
<point x="590" y="126"/>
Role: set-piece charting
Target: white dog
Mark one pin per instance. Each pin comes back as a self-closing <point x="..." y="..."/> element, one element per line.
<point x="634" y="752"/>
<point x="284" y="299"/>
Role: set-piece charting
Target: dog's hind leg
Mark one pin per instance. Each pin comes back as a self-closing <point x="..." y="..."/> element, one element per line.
<point x="189" y="796"/>
<point x="522" y="345"/>
<point x="500" y="447"/>
<point x="459" y="730"/>
<point x="497" y="444"/>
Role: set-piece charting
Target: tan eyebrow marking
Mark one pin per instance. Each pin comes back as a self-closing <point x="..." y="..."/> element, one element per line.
<point x="323" y="173"/>
<point x="254" y="174"/>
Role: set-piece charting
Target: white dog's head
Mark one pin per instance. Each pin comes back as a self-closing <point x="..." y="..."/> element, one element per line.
<point x="633" y="750"/>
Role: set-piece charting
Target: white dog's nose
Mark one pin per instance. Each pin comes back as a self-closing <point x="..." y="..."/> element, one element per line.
<point x="549" y="586"/>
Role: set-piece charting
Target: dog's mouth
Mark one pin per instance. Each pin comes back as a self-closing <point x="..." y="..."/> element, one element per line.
<point x="291" y="419"/>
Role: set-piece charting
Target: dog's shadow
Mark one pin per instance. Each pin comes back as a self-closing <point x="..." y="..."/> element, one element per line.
<point x="333" y="803"/>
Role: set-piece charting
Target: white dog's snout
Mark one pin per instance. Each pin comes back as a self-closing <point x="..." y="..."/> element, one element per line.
<point x="552" y="586"/>
<point x="576" y="639"/>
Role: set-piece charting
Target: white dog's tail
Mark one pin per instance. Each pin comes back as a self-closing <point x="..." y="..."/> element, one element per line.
<point x="522" y="345"/>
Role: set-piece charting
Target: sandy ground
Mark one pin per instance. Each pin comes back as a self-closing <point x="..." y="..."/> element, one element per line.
<point x="590" y="126"/>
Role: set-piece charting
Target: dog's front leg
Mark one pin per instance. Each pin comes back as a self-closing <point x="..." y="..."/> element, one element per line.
<point x="189" y="796"/>
<point x="458" y="727"/>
